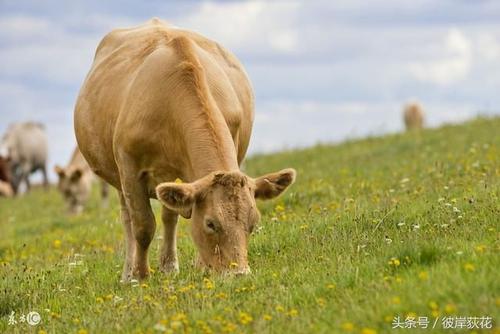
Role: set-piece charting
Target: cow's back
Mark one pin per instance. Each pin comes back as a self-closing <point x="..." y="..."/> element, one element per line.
<point x="122" y="57"/>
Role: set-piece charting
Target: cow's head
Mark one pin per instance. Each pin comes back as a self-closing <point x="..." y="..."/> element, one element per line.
<point x="224" y="213"/>
<point x="75" y="185"/>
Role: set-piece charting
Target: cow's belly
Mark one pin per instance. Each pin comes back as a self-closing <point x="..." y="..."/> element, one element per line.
<point x="94" y="133"/>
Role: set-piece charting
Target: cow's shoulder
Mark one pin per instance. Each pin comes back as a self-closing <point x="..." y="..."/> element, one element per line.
<point x="131" y="38"/>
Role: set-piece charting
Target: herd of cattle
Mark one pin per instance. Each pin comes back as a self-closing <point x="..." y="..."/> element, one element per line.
<point x="161" y="104"/>
<point x="26" y="147"/>
<point x="26" y="150"/>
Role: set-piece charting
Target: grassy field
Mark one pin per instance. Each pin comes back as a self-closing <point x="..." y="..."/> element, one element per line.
<point x="403" y="225"/>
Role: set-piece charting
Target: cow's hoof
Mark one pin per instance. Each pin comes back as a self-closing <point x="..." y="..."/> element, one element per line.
<point x="171" y="267"/>
<point x="127" y="277"/>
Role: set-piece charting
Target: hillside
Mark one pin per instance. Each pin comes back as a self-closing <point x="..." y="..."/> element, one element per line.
<point x="403" y="225"/>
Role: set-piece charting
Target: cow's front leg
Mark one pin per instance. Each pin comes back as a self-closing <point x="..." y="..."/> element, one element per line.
<point x="143" y="224"/>
<point x="168" y="256"/>
<point x="129" y="240"/>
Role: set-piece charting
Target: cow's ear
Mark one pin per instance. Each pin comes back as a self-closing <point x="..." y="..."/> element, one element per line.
<point x="76" y="175"/>
<point x="178" y="197"/>
<point x="59" y="171"/>
<point x="271" y="185"/>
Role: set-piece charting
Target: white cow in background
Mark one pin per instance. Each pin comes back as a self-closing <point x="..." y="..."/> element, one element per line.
<point x="27" y="148"/>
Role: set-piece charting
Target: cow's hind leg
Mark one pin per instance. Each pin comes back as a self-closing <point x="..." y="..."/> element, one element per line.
<point x="168" y="255"/>
<point x="129" y="240"/>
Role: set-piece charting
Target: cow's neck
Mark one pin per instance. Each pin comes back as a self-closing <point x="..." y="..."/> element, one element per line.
<point x="210" y="148"/>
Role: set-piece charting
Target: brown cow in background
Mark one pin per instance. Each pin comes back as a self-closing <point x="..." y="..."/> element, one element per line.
<point x="5" y="178"/>
<point x="75" y="183"/>
<point x="413" y="115"/>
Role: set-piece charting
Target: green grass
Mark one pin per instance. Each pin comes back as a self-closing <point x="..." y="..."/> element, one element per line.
<point x="372" y="229"/>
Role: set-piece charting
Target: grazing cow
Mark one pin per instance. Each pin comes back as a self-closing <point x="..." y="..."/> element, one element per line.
<point x="413" y="116"/>
<point x="26" y="144"/>
<point x="75" y="183"/>
<point x="161" y="103"/>
<point x="5" y="186"/>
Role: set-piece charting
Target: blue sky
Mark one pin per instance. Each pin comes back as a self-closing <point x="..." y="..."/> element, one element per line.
<point x="321" y="70"/>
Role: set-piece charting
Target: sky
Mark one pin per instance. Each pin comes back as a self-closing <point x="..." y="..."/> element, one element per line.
<point x="322" y="71"/>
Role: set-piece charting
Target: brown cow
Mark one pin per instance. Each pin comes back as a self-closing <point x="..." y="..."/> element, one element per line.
<point x="75" y="183"/>
<point x="413" y="115"/>
<point x="5" y="179"/>
<point x="161" y="103"/>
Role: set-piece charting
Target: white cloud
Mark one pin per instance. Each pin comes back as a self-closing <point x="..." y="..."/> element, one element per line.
<point x="451" y="65"/>
<point x="20" y="27"/>
<point x="49" y="50"/>
<point x="488" y="46"/>
<point x="249" y="26"/>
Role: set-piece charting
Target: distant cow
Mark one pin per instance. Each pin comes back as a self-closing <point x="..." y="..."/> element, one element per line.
<point x="162" y="103"/>
<point x="413" y="116"/>
<point x="26" y="145"/>
<point x="75" y="182"/>
<point x="5" y="179"/>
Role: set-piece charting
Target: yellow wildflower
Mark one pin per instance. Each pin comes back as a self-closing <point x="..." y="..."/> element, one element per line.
<point x="279" y="208"/>
<point x="82" y="331"/>
<point x="99" y="300"/>
<point x="293" y="313"/>
<point x="208" y="284"/>
<point x="394" y="262"/>
<point x="267" y="317"/>
<point x="368" y="331"/>
<point x="229" y="327"/>
<point x="480" y="248"/>
<point x="450" y="308"/>
<point x="469" y="267"/>
<point x="245" y="318"/>
<point x="57" y="243"/>
<point x="175" y="325"/>
<point x="396" y="300"/>
<point x="347" y="326"/>
<point x="423" y="275"/>
<point x="221" y="295"/>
